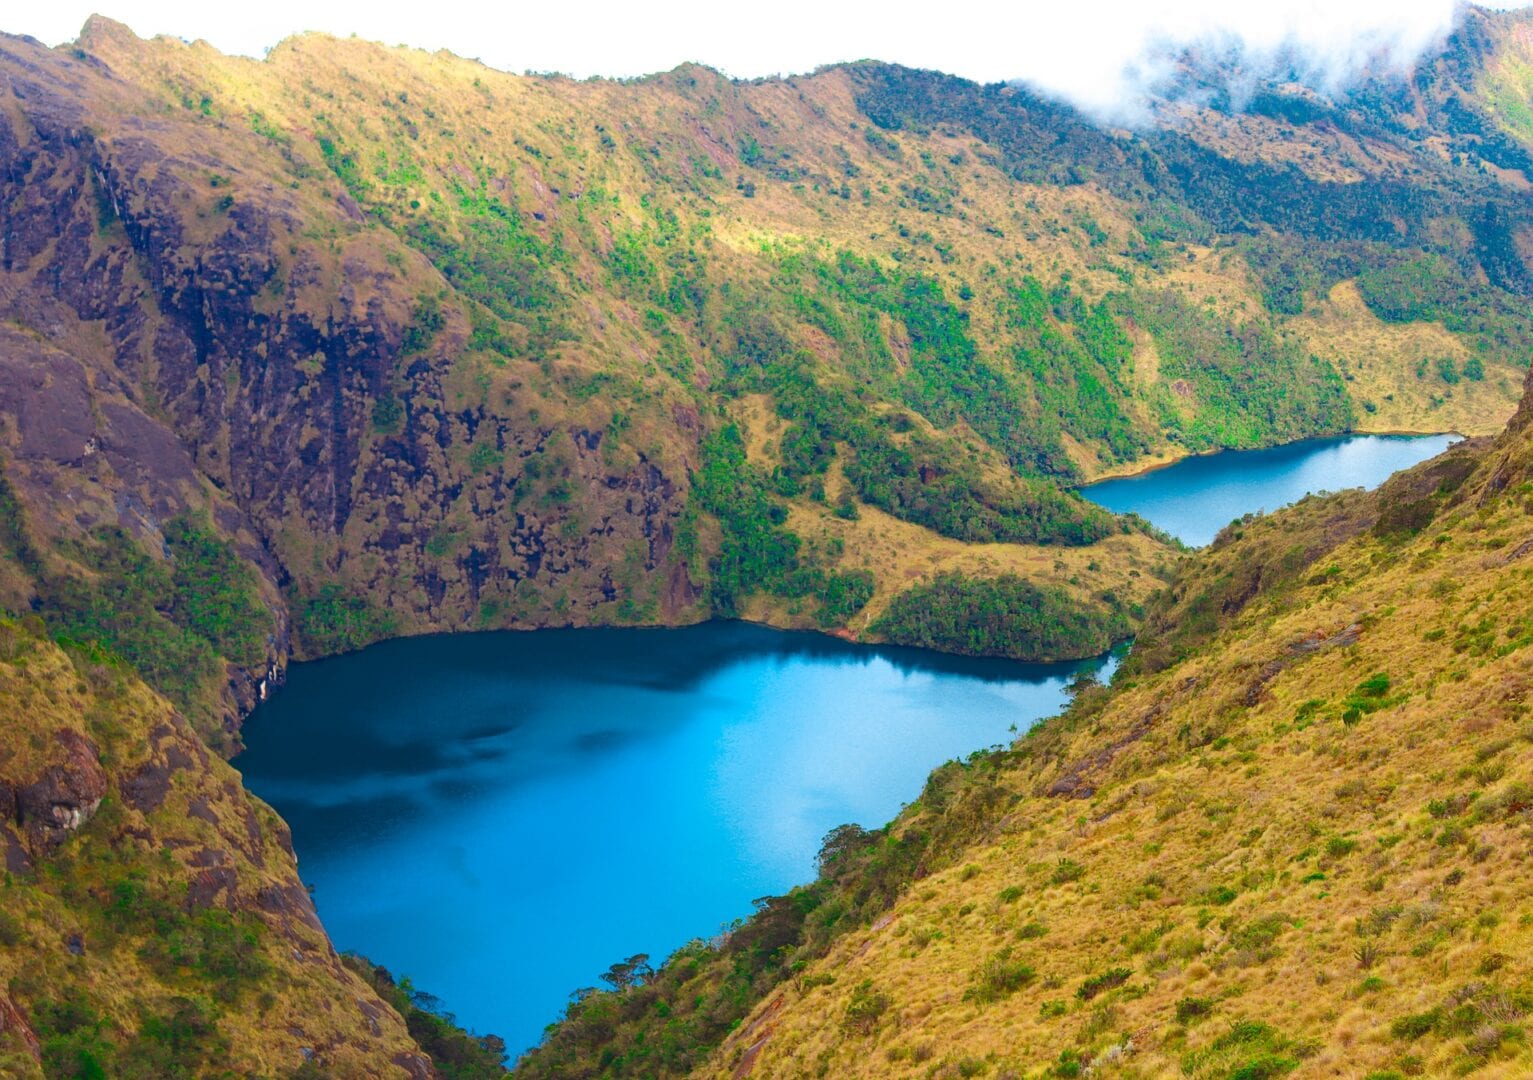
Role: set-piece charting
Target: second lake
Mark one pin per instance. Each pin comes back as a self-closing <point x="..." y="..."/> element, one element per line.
<point x="1195" y="498"/>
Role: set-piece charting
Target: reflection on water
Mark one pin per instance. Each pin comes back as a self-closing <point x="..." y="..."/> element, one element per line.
<point x="501" y="816"/>
<point x="1195" y="498"/>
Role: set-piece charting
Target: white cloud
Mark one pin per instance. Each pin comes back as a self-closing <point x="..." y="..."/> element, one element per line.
<point x="1099" y="54"/>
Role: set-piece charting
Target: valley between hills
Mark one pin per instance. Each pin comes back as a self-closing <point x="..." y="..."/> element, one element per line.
<point x="358" y="342"/>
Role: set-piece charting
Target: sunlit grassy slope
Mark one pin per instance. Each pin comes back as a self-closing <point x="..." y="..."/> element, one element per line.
<point x="358" y="341"/>
<point x="152" y="922"/>
<point x="1289" y="840"/>
<point x="1299" y="849"/>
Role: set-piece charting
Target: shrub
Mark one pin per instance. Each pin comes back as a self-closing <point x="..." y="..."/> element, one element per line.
<point x="10" y="929"/>
<point x="1190" y="1008"/>
<point x="332" y="622"/>
<point x="865" y="1008"/>
<point x="1000" y="616"/>
<point x="1264" y="1067"/>
<point x="215" y="591"/>
<point x="1337" y="847"/>
<point x="1068" y="1064"/>
<point x="1416" y="1025"/>
<point x="999" y="977"/>
<point x="844" y="595"/>
<point x="1066" y="871"/>
<point x="1107" y="980"/>
<point x="1250" y="1050"/>
<point x="1258" y="935"/>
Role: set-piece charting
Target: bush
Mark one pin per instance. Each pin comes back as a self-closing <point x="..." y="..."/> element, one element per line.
<point x="998" y="978"/>
<point x="216" y="594"/>
<point x="331" y="621"/>
<point x="1103" y="982"/>
<point x="1416" y="1025"/>
<point x="1190" y="1008"/>
<point x="1066" y="871"/>
<point x="865" y="1008"/>
<point x="10" y="929"/>
<point x="1001" y="616"/>
<point x="844" y="595"/>
<point x="1250" y="1050"/>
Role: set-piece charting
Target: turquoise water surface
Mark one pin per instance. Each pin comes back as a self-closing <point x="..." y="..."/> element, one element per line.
<point x="1195" y="498"/>
<point x="501" y="816"/>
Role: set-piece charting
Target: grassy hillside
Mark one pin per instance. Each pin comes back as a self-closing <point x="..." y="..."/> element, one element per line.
<point x="1288" y="840"/>
<point x="153" y="923"/>
<point x="438" y="347"/>
<point x="354" y="341"/>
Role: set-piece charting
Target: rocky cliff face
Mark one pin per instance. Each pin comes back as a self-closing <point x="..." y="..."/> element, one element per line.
<point x="438" y="348"/>
<point x="163" y="353"/>
<point x="356" y="341"/>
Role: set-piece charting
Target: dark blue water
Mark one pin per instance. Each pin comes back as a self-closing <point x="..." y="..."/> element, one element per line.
<point x="502" y="816"/>
<point x="1196" y="497"/>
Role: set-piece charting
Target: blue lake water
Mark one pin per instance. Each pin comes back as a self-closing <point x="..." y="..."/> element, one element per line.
<point x="501" y="816"/>
<point x="1195" y="498"/>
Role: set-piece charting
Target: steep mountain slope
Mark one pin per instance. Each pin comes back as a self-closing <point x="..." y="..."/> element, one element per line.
<point x="355" y="341"/>
<point x="428" y="346"/>
<point x="1291" y="838"/>
<point x="153" y="923"/>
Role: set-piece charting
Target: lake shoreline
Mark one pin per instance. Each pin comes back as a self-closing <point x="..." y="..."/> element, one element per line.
<point x="1204" y="492"/>
<point x="501" y="755"/>
<point x="1136" y="470"/>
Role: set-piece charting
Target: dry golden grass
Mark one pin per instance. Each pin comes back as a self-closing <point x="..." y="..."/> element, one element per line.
<point x="206" y="820"/>
<point x="900" y="554"/>
<point x="1244" y="849"/>
<point x="1326" y="152"/>
<point x="1380" y="361"/>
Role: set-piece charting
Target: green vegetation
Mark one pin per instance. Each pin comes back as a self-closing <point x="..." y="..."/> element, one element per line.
<point x="174" y="620"/>
<point x="456" y="1054"/>
<point x="483" y="248"/>
<point x="928" y="479"/>
<point x="758" y="553"/>
<point x="124" y="601"/>
<point x="157" y="928"/>
<point x="1074" y="359"/>
<point x="1102" y="982"/>
<point x="215" y="592"/>
<point x="1000" y="616"/>
<point x="79" y="1043"/>
<point x="333" y="621"/>
<point x="1432" y="288"/>
<point x="1249" y="1050"/>
<point x="1251" y="387"/>
<point x="1000" y="977"/>
<point x="760" y="319"/>
<point x="1158" y="824"/>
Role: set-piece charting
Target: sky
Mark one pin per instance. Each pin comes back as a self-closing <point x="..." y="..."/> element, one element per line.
<point x="1101" y="54"/>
